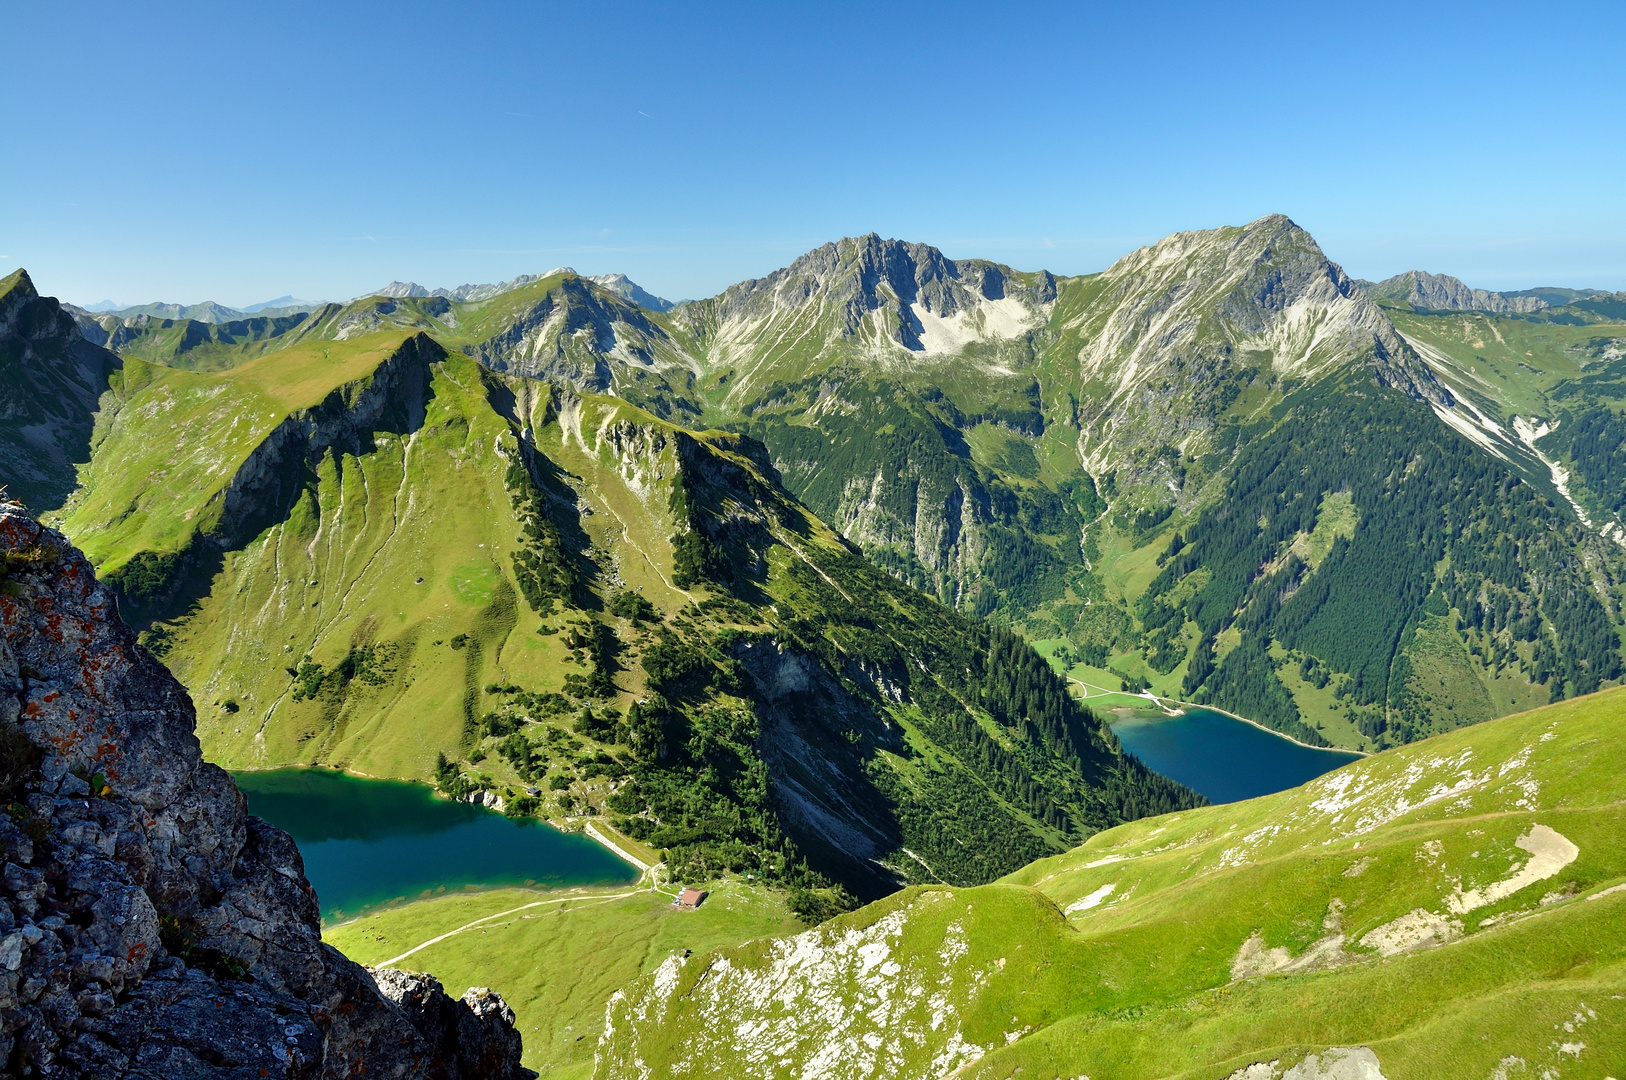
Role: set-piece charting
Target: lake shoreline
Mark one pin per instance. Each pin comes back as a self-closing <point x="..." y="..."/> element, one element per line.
<point x="1223" y="756"/>
<point x="1265" y="728"/>
<point x="370" y="844"/>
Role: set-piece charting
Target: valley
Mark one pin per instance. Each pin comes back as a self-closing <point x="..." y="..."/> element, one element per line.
<point x="825" y="593"/>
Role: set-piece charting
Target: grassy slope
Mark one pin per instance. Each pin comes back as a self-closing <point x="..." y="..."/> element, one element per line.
<point x="1512" y="363"/>
<point x="1140" y="984"/>
<point x="430" y="507"/>
<point x="558" y="964"/>
<point x="142" y="491"/>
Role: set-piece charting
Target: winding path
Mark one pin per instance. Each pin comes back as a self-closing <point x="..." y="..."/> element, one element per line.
<point x="392" y="961"/>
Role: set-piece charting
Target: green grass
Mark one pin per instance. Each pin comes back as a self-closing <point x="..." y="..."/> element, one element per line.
<point x="1509" y="361"/>
<point x="557" y="964"/>
<point x="1149" y="980"/>
<point x="142" y="491"/>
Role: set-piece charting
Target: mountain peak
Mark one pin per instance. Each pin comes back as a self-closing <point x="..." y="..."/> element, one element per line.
<point x="628" y="289"/>
<point x="1265" y="286"/>
<point x="1441" y="292"/>
<point x="892" y="293"/>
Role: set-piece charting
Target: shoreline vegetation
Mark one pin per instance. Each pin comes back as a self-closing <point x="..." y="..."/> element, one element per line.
<point x="1165" y="703"/>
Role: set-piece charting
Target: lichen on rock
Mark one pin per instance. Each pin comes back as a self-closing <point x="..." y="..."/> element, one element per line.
<point x="149" y="927"/>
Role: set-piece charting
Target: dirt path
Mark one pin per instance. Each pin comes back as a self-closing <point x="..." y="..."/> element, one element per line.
<point x="392" y="961"/>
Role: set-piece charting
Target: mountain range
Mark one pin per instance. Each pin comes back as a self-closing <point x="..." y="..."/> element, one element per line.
<point x="795" y="582"/>
<point x="1221" y="469"/>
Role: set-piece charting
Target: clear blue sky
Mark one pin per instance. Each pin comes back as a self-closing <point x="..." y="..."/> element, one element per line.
<point x="238" y="152"/>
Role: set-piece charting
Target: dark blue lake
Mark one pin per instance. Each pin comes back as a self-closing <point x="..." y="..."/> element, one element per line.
<point x="372" y="843"/>
<point x="1222" y="757"/>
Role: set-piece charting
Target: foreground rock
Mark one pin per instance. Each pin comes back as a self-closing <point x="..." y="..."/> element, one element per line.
<point x="148" y="926"/>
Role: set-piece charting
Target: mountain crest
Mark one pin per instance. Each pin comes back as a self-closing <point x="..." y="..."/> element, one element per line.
<point x="865" y="274"/>
<point x="1441" y="292"/>
<point x="1259" y="302"/>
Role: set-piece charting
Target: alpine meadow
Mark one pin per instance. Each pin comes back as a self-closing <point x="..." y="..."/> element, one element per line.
<point x="822" y="594"/>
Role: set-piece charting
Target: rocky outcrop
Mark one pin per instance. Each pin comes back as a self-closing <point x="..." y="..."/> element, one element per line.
<point x="148" y="926"/>
<point x="903" y="289"/>
<point x="53" y="380"/>
<point x="1441" y="292"/>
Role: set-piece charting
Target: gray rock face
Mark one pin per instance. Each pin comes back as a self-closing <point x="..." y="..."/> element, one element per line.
<point x="1440" y="292"/>
<point x="53" y="379"/>
<point x="471" y="1038"/>
<point x="576" y="336"/>
<point x="863" y="276"/>
<point x="148" y="926"/>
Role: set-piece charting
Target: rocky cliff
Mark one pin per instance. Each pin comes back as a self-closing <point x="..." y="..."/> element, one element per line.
<point x="52" y="378"/>
<point x="148" y="926"/>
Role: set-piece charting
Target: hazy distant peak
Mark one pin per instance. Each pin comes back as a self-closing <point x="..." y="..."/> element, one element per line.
<point x="619" y="284"/>
<point x="401" y="290"/>
<point x="628" y="289"/>
<point x="1441" y="292"/>
<point x="286" y="301"/>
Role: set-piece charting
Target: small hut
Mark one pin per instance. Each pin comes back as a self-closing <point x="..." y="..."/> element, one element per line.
<point x="689" y="899"/>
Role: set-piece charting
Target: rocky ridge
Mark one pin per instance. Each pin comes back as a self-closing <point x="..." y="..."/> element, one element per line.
<point x="149" y="927"/>
<point x="619" y="284"/>
<point x="53" y="378"/>
<point x="1441" y="292"/>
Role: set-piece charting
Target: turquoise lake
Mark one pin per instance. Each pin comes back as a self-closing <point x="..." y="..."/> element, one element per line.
<point x="1222" y="757"/>
<point x="372" y="843"/>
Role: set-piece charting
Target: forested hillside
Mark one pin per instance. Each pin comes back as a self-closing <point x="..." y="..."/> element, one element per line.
<point x="1067" y="457"/>
<point x="368" y="551"/>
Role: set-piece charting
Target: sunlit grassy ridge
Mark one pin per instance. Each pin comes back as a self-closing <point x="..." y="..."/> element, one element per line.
<point x="175" y="439"/>
<point x="1450" y="904"/>
<point x="557" y="964"/>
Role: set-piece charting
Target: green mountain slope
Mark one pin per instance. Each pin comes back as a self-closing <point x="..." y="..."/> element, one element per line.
<point x="369" y="552"/>
<point x="1546" y="393"/>
<point x="1035" y="450"/>
<point x="1445" y="910"/>
<point x="1046" y="476"/>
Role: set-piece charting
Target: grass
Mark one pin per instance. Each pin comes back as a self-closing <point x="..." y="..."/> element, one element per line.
<point x="1128" y="956"/>
<point x="142" y="491"/>
<point x="558" y="964"/>
<point x="1513" y="362"/>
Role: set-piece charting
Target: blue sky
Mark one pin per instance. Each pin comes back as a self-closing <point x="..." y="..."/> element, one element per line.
<point x="238" y="152"/>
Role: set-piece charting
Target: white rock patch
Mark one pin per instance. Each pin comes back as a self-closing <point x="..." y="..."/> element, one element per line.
<point x="1093" y="900"/>
<point x="1549" y="853"/>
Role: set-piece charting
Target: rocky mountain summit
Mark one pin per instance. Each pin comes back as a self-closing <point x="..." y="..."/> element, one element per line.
<point x="619" y="284"/>
<point x="148" y="926"/>
<point x="1441" y="292"/>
